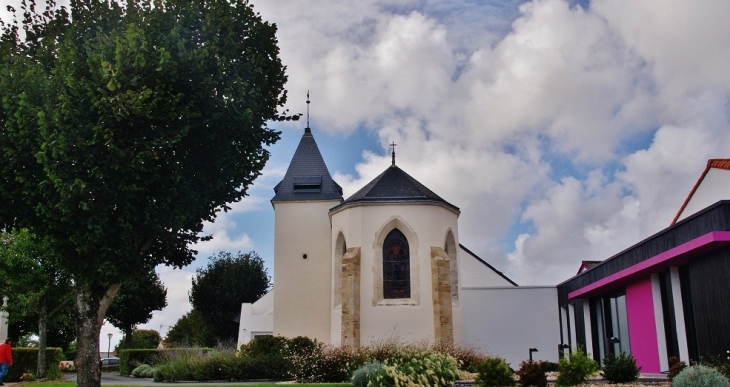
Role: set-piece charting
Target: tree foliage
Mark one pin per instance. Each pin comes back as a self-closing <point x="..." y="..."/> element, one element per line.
<point x="124" y="127"/>
<point x="140" y="339"/>
<point x="221" y="287"/>
<point x="134" y="304"/>
<point x="189" y="331"/>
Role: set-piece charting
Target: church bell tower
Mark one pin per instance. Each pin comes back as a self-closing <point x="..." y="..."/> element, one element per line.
<point x="302" y="245"/>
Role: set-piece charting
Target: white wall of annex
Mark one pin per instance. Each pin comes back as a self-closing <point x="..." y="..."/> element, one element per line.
<point x="256" y="318"/>
<point x="508" y="321"/>
<point x="477" y="274"/>
<point x="714" y="187"/>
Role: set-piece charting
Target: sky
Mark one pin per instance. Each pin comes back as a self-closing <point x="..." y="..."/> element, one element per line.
<point x="564" y="131"/>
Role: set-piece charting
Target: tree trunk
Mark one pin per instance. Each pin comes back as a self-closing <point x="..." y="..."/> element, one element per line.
<point x="90" y="311"/>
<point x="42" y="338"/>
<point x="128" y="329"/>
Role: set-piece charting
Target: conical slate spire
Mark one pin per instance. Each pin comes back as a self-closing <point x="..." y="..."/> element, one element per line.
<point x="307" y="177"/>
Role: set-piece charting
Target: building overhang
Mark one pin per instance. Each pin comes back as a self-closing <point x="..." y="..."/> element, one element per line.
<point x="676" y="256"/>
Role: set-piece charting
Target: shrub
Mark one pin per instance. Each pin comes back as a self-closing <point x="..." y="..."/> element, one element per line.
<point x="141" y="370"/>
<point x="419" y="368"/>
<point x="549" y="366"/>
<point x="575" y="370"/>
<point x="532" y="373"/>
<point x="361" y="376"/>
<point x="494" y="371"/>
<point x="25" y="360"/>
<point x="326" y="364"/>
<point x="700" y="376"/>
<point x="720" y="363"/>
<point x="675" y="367"/>
<point x="467" y="357"/>
<point x="620" y="369"/>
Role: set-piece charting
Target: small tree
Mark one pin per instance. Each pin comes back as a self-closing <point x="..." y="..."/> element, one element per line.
<point x="221" y="287"/>
<point x="40" y="290"/>
<point x="189" y="330"/>
<point x="576" y="369"/>
<point x="140" y="339"/>
<point x="135" y="302"/>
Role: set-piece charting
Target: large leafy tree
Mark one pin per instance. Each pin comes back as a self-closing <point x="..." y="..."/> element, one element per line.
<point x="135" y="302"/>
<point x="221" y="287"/>
<point x="140" y="339"/>
<point x="38" y="289"/>
<point x="124" y="128"/>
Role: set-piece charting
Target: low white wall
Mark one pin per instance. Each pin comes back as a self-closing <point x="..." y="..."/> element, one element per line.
<point x="256" y="318"/>
<point x="508" y="321"/>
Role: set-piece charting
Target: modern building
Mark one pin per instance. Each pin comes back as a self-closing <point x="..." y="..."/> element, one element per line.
<point x="668" y="295"/>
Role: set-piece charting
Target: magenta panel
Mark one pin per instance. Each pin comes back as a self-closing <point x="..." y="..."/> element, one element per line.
<point x="642" y="326"/>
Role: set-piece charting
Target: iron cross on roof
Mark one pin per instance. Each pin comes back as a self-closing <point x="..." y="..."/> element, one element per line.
<point x="393" y="154"/>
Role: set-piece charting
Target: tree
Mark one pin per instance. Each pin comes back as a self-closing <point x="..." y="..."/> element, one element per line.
<point x="123" y="131"/>
<point x="189" y="330"/>
<point x="135" y="302"/>
<point x="39" y="289"/>
<point x="140" y="339"/>
<point x="222" y="286"/>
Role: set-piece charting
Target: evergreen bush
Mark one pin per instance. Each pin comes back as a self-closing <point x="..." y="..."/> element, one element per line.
<point x="575" y="370"/>
<point x="494" y="371"/>
<point x="532" y="373"/>
<point x="620" y="369"/>
<point x="700" y="376"/>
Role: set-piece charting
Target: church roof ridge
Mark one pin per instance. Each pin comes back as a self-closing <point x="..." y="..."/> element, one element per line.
<point x="394" y="185"/>
<point x="307" y="177"/>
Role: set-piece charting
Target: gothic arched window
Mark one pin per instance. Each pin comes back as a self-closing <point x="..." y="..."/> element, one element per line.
<point x="396" y="266"/>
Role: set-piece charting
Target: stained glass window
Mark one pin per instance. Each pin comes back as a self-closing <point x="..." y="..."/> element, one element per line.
<point x="396" y="266"/>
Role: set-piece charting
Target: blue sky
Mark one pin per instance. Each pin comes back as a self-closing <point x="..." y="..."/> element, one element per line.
<point x="565" y="131"/>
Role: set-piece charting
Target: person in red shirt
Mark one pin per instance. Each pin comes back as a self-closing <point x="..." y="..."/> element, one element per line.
<point x="6" y="358"/>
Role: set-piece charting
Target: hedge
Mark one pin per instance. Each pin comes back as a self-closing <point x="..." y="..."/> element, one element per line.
<point x="25" y="360"/>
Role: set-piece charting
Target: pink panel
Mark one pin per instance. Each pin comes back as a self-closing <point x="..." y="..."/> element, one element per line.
<point x="642" y="327"/>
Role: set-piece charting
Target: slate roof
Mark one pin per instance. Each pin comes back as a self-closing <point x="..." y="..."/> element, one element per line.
<point x="711" y="163"/>
<point x="307" y="177"/>
<point x="395" y="186"/>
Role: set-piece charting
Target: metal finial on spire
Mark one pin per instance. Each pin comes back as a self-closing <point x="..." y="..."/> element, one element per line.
<point x="307" y="129"/>
<point x="393" y="154"/>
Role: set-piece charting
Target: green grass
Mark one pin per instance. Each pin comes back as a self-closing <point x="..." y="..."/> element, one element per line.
<point x="152" y="384"/>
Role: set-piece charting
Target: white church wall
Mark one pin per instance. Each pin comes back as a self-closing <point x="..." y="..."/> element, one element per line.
<point x="424" y="226"/>
<point x="302" y="298"/>
<point x="714" y="187"/>
<point x="508" y="321"/>
<point x="256" y="319"/>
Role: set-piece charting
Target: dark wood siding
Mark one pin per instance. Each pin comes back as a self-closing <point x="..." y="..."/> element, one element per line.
<point x="709" y="291"/>
<point x="713" y="218"/>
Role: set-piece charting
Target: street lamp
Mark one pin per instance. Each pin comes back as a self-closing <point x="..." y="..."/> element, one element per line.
<point x="531" y="351"/>
<point x="109" y="348"/>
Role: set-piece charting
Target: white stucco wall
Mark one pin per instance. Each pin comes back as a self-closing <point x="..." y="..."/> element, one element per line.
<point x="424" y="225"/>
<point x="477" y="274"/>
<point x="302" y="297"/>
<point x="256" y="318"/>
<point x="714" y="187"/>
<point x="508" y="321"/>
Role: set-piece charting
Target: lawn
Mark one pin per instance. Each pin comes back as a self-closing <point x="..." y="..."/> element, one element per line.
<point x="70" y="384"/>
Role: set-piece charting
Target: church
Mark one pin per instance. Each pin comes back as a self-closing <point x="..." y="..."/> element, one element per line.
<point x="385" y="263"/>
